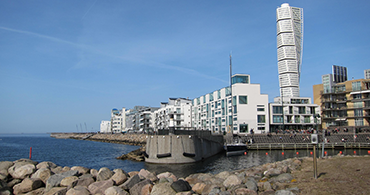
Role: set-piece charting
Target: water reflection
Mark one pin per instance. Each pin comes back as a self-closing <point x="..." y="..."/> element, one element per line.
<point x="220" y="162"/>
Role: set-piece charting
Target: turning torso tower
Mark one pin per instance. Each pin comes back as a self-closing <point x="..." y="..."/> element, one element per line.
<point x="289" y="23"/>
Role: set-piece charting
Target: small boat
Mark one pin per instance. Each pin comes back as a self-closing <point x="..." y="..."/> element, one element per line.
<point x="235" y="149"/>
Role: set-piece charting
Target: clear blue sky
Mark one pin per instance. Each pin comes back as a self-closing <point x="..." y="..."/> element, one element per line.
<point x="66" y="63"/>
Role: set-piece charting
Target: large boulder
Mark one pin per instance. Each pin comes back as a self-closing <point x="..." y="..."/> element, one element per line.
<point x="4" y="166"/>
<point x="67" y="181"/>
<point x="46" y="164"/>
<point x="181" y="186"/>
<point x="100" y="186"/>
<point x="56" y="191"/>
<point x="78" y="190"/>
<point x="55" y="180"/>
<point x="232" y="180"/>
<point x="43" y="174"/>
<point x="119" y="177"/>
<point x="85" y="181"/>
<point x="251" y="184"/>
<point x="167" y="175"/>
<point x="163" y="189"/>
<point x="104" y="174"/>
<point x="21" y="170"/>
<point x="285" y="177"/>
<point x="130" y="182"/>
<point x="81" y="170"/>
<point x="199" y="187"/>
<point x="114" y="190"/>
<point x="137" y="188"/>
<point x="27" y="185"/>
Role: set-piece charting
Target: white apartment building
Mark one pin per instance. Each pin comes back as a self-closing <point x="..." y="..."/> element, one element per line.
<point x="105" y="127"/>
<point x="367" y="74"/>
<point x="141" y="118"/>
<point x="177" y="110"/>
<point x="118" y="120"/>
<point x="293" y="113"/>
<point x="238" y="110"/>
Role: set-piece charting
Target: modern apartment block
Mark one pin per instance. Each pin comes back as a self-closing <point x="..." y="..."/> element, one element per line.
<point x="238" y="110"/>
<point x="367" y="74"/>
<point x="140" y="118"/>
<point x="176" y="111"/>
<point x="118" y="119"/>
<point x="343" y="104"/>
<point x="105" y="127"/>
<point x="289" y="22"/>
<point x="294" y="113"/>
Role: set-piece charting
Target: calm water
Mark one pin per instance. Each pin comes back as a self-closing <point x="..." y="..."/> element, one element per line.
<point x="69" y="152"/>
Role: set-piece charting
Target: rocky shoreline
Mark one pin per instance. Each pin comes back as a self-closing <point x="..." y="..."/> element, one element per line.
<point x="25" y="176"/>
<point x="128" y="139"/>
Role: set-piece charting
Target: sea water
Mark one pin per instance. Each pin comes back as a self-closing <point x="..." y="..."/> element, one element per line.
<point x="91" y="154"/>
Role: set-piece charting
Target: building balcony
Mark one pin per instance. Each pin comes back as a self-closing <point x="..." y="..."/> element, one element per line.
<point x="333" y="92"/>
<point x="331" y="108"/>
<point x="364" y="115"/>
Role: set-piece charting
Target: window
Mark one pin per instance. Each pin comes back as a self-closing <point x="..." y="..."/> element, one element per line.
<point x="261" y="119"/>
<point x="219" y="94"/>
<point x="356" y="86"/>
<point x="227" y="91"/>
<point x="211" y="97"/>
<point x="198" y="101"/>
<point x="204" y="99"/>
<point x="260" y="109"/>
<point x="358" y="112"/>
<point x="261" y="128"/>
<point x="356" y="96"/>
<point x="307" y="119"/>
<point x="230" y="120"/>
<point x="239" y="79"/>
<point x="277" y="110"/>
<point x="302" y="110"/>
<point x="357" y="104"/>
<point x="243" y="128"/>
<point x="277" y="119"/>
<point x="297" y="119"/>
<point x="234" y="101"/>
<point x="243" y="100"/>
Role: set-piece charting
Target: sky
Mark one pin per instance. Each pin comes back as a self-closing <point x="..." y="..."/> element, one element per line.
<point x="65" y="64"/>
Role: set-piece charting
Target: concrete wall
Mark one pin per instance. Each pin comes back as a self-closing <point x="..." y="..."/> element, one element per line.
<point x="177" y="145"/>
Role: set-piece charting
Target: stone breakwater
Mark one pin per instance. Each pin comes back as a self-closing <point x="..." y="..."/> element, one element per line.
<point x="129" y="139"/>
<point x="25" y="176"/>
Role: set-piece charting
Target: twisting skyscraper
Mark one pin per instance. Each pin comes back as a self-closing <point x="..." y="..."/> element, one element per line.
<point x="289" y="22"/>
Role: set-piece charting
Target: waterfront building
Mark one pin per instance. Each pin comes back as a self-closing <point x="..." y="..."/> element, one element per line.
<point x="118" y="120"/>
<point x="236" y="111"/>
<point x="367" y="74"/>
<point x="339" y="74"/>
<point x="105" y="127"/>
<point x="343" y="104"/>
<point x="176" y="110"/>
<point x="140" y="118"/>
<point x="294" y="113"/>
<point x="289" y="22"/>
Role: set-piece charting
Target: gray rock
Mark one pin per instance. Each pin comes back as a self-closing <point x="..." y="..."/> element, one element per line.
<point x="225" y="193"/>
<point x="6" y="192"/>
<point x="13" y="182"/>
<point x="272" y="172"/>
<point x="43" y="174"/>
<point x="245" y="191"/>
<point x="252" y="185"/>
<point x="130" y="182"/>
<point x="78" y="190"/>
<point x="284" y="192"/>
<point x="26" y="161"/>
<point x="285" y="177"/>
<point x="181" y="186"/>
<point x="67" y="181"/>
<point x="100" y="186"/>
<point x="69" y="173"/>
<point x="214" y="191"/>
<point x="85" y="181"/>
<point x="46" y="164"/>
<point x="136" y="189"/>
<point x="27" y="185"/>
<point x="114" y="190"/>
<point x="223" y="175"/>
<point x="57" y="169"/>
<point x="38" y="191"/>
<point x="55" y="180"/>
<point x="104" y="174"/>
<point x="232" y="180"/>
<point x="4" y="166"/>
<point x="163" y="189"/>
<point x="81" y="170"/>
<point x="57" y="191"/>
<point x="119" y="177"/>
<point x="21" y="171"/>
<point x="266" y="186"/>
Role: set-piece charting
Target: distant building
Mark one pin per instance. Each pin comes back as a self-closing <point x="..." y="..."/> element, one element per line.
<point x="295" y="113"/>
<point x="339" y="74"/>
<point x="343" y="104"/>
<point x="237" y="111"/>
<point x="141" y="118"/>
<point x="118" y="120"/>
<point x="176" y="111"/>
<point x="289" y="22"/>
<point x="105" y="127"/>
<point x="367" y="74"/>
